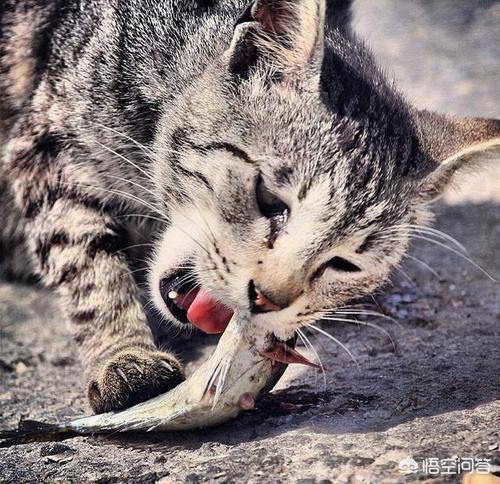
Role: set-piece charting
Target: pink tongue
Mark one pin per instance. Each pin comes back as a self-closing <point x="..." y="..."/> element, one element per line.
<point x="208" y="314"/>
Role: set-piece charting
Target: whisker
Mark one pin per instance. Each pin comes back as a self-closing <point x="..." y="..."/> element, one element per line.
<point x="407" y="277"/>
<point x="328" y="335"/>
<point x="187" y="279"/>
<point x="149" y="152"/>
<point x="301" y="337"/>
<point x="434" y="231"/>
<point x="454" y="251"/>
<point x="460" y="254"/>
<point x="370" y="325"/>
<point x="368" y="313"/>
<point x="142" y="147"/>
<point x="133" y="247"/>
<point x="144" y="172"/>
<point x="375" y="302"/>
<point x="163" y="221"/>
<point x="210" y="235"/>
<point x="138" y="200"/>
<point x="129" y="273"/>
<point x="307" y="342"/>
<point x="118" y="193"/>
<point x="423" y="264"/>
<point x="346" y="306"/>
<point x="124" y="158"/>
<point x="147" y="190"/>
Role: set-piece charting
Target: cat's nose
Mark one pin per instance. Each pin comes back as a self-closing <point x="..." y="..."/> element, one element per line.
<point x="261" y="302"/>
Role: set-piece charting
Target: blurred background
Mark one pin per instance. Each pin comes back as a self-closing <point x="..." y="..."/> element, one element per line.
<point x="445" y="56"/>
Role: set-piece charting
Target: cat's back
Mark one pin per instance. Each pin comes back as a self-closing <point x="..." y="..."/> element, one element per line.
<point x="98" y="51"/>
<point x="23" y="27"/>
<point x="37" y="36"/>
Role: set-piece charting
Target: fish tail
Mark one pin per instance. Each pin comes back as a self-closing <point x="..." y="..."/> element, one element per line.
<point x="34" y="431"/>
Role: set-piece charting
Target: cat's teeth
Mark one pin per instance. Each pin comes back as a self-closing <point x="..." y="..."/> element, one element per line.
<point x="172" y="294"/>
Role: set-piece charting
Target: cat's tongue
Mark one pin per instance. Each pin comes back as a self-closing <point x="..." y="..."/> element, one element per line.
<point x="208" y="314"/>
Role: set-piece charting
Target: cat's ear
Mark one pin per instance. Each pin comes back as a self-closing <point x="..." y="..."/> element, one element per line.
<point x="287" y="36"/>
<point x="456" y="146"/>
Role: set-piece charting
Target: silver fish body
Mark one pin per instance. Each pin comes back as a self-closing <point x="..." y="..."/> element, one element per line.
<point x="233" y="377"/>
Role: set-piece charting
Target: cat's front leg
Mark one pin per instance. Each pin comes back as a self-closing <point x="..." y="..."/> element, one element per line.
<point x="77" y="248"/>
<point x="76" y="245"/>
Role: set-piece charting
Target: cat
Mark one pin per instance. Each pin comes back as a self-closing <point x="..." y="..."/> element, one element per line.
<point x="256" y="145"/>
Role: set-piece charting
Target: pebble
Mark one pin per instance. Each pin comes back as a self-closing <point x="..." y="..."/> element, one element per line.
<point x="21" y="368"/>
<point x="54" y="449"/>
<point x="5" y="366"/>
<point x="6" y="396"/>
<point x="57" y="459"/>
<point x="401" y="298"/>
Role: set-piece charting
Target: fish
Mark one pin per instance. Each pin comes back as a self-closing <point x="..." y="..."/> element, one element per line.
<point x="246" y="364"/>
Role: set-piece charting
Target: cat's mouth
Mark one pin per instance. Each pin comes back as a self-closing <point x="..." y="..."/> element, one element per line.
<point x="190" y="303"/>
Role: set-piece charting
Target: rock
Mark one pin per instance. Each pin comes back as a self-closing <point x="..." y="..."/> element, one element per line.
<point x="54" y="449"/>
<point x="21" y="368"/>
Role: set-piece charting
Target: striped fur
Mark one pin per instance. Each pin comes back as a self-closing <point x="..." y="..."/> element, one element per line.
<point x="114" y="111"/>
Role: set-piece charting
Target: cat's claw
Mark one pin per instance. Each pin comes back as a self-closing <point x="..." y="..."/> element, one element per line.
<point x="132" y="376"/>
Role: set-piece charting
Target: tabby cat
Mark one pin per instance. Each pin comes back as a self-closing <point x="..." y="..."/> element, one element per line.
<point x="258" y="148"/>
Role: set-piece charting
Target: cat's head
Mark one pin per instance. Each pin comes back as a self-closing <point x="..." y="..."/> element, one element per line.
<point x="293" y="174"/>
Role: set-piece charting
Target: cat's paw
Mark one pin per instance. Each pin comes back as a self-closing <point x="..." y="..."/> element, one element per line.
<point x="132" y="376"/>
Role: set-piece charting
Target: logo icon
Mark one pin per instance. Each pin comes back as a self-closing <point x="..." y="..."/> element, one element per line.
<point x="408" y="465"/>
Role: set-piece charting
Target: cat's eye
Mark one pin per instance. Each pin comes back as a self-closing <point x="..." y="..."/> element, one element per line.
<point x="269" y="204"/>
<point x="342" y="265"/>
<point x="338" y="264"/>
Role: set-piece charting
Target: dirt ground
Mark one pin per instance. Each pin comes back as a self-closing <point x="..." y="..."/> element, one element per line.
<point x="437" y="396"/>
